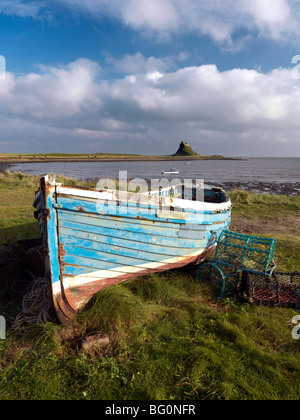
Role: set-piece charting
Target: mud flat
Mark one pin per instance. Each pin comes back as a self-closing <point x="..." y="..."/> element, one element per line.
<point x="286" y="188"/>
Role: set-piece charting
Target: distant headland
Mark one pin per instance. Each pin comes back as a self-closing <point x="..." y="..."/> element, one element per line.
<point x="184" y="152"/>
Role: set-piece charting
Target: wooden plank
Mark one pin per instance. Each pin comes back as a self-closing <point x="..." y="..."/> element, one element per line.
<point x="147" y="252"/>
<point x="77" y="255"/>
<point x="129" y="239"/>
<point x="167" y="229"/>
<point x="140" y="225"/>
<point x="82" y="266"/>
<point x="83" y="206"/>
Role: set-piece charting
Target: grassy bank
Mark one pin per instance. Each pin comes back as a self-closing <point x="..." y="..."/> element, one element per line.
<point x="14" y="158"/>
<point x="170" y="338"/>
<point x="274" y="216"/>
<point x="16" y="212"/>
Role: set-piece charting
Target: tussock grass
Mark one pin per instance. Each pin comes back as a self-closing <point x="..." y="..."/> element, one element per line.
<point x="113" y="311"/>
<point x="181" y="344"/>
<point x="264" y="205"/>
<point x="19" y="180"/>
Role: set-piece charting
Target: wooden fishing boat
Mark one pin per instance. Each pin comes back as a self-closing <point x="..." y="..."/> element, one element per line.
<point x="95" y="239"/>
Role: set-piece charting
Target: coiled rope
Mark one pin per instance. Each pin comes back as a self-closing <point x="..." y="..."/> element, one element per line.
<point x="36" y="306"/>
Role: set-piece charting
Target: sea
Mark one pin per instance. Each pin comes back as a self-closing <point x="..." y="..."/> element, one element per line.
<point x="258" y="175"/>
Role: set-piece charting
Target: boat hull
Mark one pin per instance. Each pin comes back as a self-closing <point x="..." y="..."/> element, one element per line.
<point x="75" y="292"/>
<point x="92" y="243"/>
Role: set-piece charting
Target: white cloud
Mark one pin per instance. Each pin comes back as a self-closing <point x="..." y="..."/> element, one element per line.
<point x="211" y="100"/>
<point x="138" y="63"/>
<point x="202" y="104"/>
<point x="54" y="94"/>
<point x="273" y="17"/>
<point x="96" y="8"/>
<point x="21" y="8"/>
<point x="154" y="15"/>
<point x="218" y="19"/>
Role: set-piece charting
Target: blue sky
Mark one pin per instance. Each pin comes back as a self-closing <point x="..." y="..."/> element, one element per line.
<point x="139" y="76"/>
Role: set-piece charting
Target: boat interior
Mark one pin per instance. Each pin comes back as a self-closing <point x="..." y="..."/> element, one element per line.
<point x="198" y="193"/>
<point x="193" y="192"/>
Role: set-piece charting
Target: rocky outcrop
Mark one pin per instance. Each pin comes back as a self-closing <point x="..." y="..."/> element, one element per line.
<point x="185" y="150"/>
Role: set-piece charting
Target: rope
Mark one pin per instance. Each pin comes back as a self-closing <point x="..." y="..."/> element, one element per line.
<point x="36" y="307"/>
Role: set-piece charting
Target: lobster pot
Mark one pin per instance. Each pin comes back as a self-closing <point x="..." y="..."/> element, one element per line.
<point x="245" y="251"/>
<point x="236" y="255"/>
<point x="220" y="276"/>
<point x="279" y="289"/>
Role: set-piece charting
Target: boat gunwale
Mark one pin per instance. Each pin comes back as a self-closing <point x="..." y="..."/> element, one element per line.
<point x="151" y="199"/>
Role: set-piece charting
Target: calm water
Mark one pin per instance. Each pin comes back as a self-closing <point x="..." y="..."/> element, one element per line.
<point x="277" y="175"/>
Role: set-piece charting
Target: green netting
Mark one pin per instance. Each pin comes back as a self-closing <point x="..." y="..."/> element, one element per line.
<point x="278" y="289"/>
<point x="220" y="276"/>
<point x="245" y="251"/>
<point x="237" y="254"/>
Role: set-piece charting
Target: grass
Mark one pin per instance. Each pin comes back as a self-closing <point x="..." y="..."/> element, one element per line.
<point x="275" y="216"/>
<point x="17" y="193"/>
<point x="11" y="156"/>
<point x="253" y="205"/>
<point x="170" y="338"/>
<point x="38" y="157"/>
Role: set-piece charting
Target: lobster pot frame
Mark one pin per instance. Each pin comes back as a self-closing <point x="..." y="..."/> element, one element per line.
<point x="235" y="255"/>
<point x="279" y="289"/>
<point x="223" y="279"/>
<point x="246" y="252"/>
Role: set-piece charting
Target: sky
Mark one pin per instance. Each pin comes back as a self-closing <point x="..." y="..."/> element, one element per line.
<point x="140" y="76"/>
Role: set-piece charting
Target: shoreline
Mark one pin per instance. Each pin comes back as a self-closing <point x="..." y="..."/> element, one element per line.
<point x="253" y="186"/>
<point x="257" y="187"/>
<point x="11" y="161"/>
<point x="63" y="160"/>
